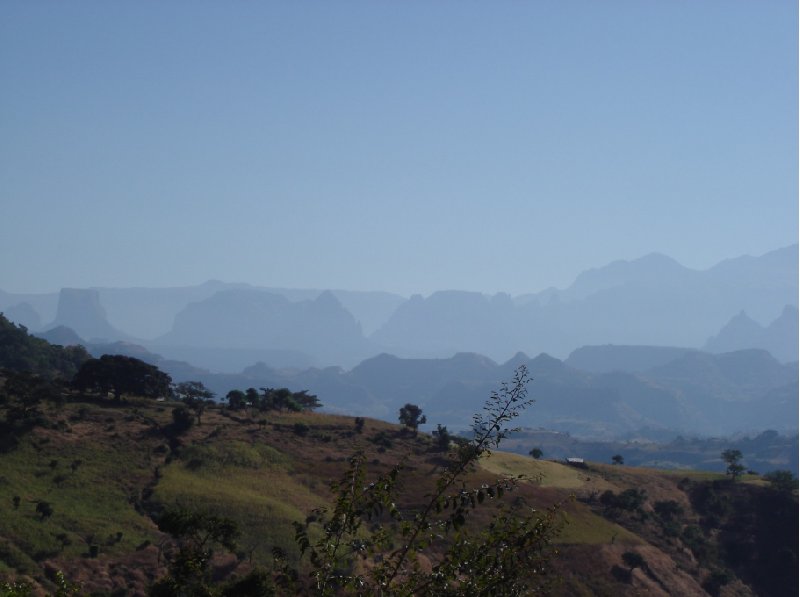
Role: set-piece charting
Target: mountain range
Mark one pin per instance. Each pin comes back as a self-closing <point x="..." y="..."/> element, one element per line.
<point x="746" y="302"/>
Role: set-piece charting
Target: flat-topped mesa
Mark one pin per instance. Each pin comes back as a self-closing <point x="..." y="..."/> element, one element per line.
<point x="80" y="310"/>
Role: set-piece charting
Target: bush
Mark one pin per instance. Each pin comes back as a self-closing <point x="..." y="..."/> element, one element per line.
<point x="509" y="554"/>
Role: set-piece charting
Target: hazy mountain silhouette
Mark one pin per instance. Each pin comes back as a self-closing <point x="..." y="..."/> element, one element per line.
<point x="150" y="312"/>
<point x="24" y="314"/>
<point x="630" y="359"/>
<point x="717" y="388"/>
<point x="254" y="320"/>
<point x="62" y="335"/>
<point x="695" y="393"/>
<point x="452" y="321"/>
<point x="652" y="300"/>
<point x="80" y="310"/>
<point x="43" y="304"/>
<point x="780" y="337"/>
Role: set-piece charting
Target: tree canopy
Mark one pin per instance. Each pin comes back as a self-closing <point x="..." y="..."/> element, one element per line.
<point x="411" y="416"/>
<point x="122" y="375"/>
<point x="19" y="351"/>
<point x="733" y="459"/>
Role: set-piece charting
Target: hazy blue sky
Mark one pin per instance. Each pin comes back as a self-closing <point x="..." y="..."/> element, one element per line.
<point x="401" y="146"/>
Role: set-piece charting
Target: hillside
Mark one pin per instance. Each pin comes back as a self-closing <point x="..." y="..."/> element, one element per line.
<point x="266" y="470"/>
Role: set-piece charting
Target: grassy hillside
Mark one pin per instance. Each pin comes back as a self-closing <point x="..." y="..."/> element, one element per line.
<point x="106" y="470"/>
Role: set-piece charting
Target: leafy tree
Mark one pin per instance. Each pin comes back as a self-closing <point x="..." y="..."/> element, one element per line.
<point x="44" y="510"/>
<point x="716" y="580"/>
<point x="668" y="509"/>
<point x="121" y="374"/>
<point x="305" y="400"/>
<point x="781" y="480"/>
<point x="21" y="395"/>
<point x="359" y="424"/>
<point x="633" y="560"/>
<point x="411" y="416"/>
<point x="536" y="453"/>
<point x="508" y="556"/>
<point x="257" y="583"/>
<point x="195" y="395"/>
<point x="182" y="420"/>
<point x="443" y="438"/>
<point x="252" y="397"/>
<point x="196" y="534"/>
<point x="192" y="391"/>
<point x="733" y="459"/>
<point x="617" y="459"/>
<point x="19" y="351"/>
<point x="237" y="399"/>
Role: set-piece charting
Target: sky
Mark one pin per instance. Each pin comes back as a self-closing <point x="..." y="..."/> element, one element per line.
<point x="399" y="146"/>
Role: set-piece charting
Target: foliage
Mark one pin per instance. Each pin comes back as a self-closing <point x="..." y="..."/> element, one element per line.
<point x="358" y="424"/>
<point x="781" y="480"/>
<point x="411" y="416"/>
<point x="273" y="399"/>
<point x="716" y="580"/>
<point x="21" y="397"/>
<point x="630" y="500"/>
<point x="432" y="549"/>
<point x="182" y="420"/>
<point x="44" y="509"/>
<point x="192" y="392"/>
<point x="442" y="437"/>
<point x="196" y="533"/>
<point x="617" y="459"/>
<point x="19" y="351"/>
<point x="733" y="459"/>
<point x="195" y="394"/>
<point x="122" y="374"/>
<point x="536" y="453"/>
<point x="237" y="400"/>
<point x="633" y="560"/>
<point x="257" y="583"/>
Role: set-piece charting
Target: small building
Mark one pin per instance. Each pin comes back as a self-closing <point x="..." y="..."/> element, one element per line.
<point x="577" y="462"/>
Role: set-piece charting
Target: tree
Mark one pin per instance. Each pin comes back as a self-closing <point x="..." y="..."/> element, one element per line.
<point x="359" y="424"/>
<point x="781" y="480"/>
<point x="617" y="459"/>
<point x="443" y="437"/>
<point x="237" y="399"/>
<point x="411" y="416"/>
<point x="667" y="509"/>
<point x="732" y="458"/>
<point x="182" y="420"/>
<point x="430" y="549"/>
<point x="196" y="533"/>
<point x="195" y="395"/>
<point x="536" y="453"/>
<point x="192" y="391"/>
<point x="121" y="374"/>
<point x="44" y="510"/>
<point x="633" y="560"/>
<point x="305" y="400"/>
<point x="252" y="398"/>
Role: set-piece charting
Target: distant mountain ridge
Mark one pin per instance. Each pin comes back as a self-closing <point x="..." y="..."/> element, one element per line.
<point x="648" y="301"/>
<point x="253" y="319"/>
<point x="652" y="301"/>
<point x="695" y="392"/>
<point x="780" y="337"/>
